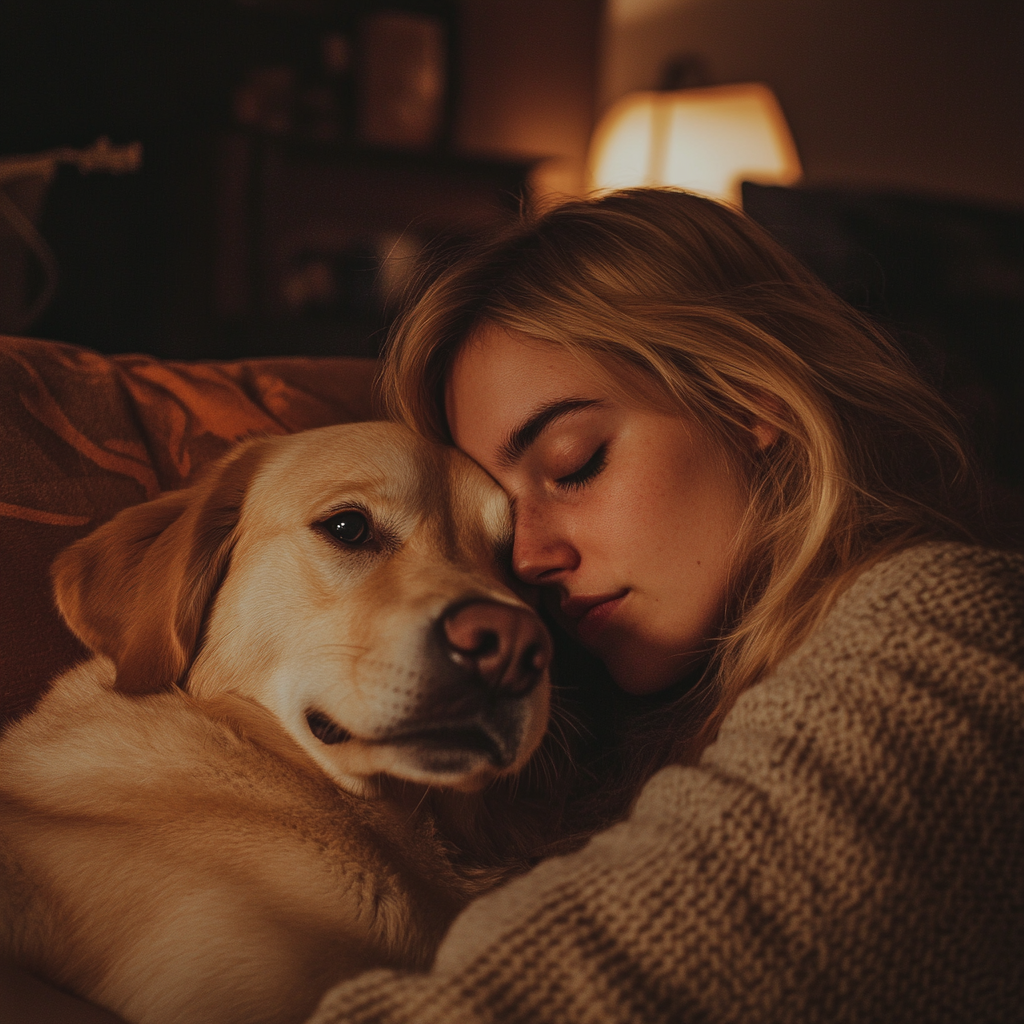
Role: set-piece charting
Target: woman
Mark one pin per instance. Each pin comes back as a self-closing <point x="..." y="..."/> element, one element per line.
<point x="738" y="494"/>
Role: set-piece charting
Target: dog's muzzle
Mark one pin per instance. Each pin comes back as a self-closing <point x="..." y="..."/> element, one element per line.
<point x="498" y="647"/>
<point x="484" y="660"/>
<point x="487" y="659"/>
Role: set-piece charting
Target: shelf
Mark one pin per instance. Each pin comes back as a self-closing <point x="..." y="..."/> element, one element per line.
<point x="315" y="234"/>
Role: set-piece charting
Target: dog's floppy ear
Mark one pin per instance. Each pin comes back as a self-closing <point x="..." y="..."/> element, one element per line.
<point x="137" y="589"/>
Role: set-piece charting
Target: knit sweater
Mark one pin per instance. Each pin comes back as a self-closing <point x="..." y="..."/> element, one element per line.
<point x="850" y="849"/>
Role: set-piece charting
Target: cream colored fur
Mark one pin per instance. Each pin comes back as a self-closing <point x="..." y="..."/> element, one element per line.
<point x="176" y="843"/>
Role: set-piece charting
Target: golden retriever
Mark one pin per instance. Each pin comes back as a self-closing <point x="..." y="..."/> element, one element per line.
<point x="223" y="812"/>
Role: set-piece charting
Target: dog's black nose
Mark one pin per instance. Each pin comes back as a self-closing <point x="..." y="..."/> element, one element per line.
<point x="505" y="647"/>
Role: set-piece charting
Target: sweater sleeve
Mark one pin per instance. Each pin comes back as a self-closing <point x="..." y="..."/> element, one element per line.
<point x="850" y="849"/>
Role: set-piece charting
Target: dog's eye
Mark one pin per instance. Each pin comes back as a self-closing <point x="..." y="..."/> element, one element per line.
<point x="350" y="527"/>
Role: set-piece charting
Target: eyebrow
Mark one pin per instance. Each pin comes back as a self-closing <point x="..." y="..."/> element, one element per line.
<point x="519" y="439"/>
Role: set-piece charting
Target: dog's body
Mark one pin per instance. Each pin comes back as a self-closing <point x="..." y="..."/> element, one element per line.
<point x="227" y="809"/>
<point x="163" y="864"/>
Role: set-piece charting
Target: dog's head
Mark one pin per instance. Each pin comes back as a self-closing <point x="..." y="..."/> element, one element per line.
<point x="353" y="580"/>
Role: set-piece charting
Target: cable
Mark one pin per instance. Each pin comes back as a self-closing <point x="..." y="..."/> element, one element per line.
<point x="26" y="230"/>
<point x="100" y="156"/>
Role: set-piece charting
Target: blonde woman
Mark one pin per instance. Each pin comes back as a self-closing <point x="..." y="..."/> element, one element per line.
<point x="738" y="494"/>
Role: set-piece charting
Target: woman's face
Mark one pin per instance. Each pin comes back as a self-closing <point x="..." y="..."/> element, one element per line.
<point x="626" y="516"/>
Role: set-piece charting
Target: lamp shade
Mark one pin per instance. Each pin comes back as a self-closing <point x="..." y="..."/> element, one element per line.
<point x="704" y="140"/>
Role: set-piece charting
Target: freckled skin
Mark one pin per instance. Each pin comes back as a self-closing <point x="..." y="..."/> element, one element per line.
<point x="658" y="520"/>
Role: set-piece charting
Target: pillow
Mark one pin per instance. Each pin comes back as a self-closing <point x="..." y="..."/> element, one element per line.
<point x="84" y="435"/>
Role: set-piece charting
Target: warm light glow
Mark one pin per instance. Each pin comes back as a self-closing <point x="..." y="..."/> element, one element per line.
<point x="704" y="140"/>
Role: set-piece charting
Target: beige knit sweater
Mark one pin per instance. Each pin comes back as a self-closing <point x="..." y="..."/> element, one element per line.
<point x="851" y="849"/>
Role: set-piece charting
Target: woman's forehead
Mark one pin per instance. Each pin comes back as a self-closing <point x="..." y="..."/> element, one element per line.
<point x="501" y="377"/>
<point x="505" y="372"/>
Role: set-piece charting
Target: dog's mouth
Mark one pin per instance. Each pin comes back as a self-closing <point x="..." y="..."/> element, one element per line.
<point x="438" y="743"/>
<point x="443" y="748"/>
<point x="325" y="729"/>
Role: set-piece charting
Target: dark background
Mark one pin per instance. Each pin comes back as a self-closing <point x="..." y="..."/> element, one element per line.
<point x="907" y="115"/>
<point x="190" y="256"/>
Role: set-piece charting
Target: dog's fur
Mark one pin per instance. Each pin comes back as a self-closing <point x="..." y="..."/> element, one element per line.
<point x="225" y="810"/>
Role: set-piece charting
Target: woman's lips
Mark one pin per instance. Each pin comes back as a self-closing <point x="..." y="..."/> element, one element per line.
<point x="590" y="614"/>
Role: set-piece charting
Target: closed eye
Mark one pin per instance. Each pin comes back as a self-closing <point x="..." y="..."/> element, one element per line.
<point x="586" y="472"/>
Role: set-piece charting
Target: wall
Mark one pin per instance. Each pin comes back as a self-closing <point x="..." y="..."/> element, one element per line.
<point x="529" y="78"/>
<point x="911" y="95"/>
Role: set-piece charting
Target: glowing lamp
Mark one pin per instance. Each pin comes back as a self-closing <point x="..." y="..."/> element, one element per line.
<point x="704" y="140"/>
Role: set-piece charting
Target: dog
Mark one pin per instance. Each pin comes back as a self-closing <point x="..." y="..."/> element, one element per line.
<point x="309" y="666"/>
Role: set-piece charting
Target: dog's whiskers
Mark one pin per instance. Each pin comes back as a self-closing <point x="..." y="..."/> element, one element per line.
<point x="419" y="804"/>
<point x="566" y="717"/>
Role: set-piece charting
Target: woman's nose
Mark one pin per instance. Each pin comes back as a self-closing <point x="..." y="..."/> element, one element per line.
<point x="539" y="554"/>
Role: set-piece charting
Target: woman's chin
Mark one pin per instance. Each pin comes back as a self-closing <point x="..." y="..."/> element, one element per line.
<point x="640" y="673"/>
<point x="640" y="667"/>
<point x="642" y="686"/>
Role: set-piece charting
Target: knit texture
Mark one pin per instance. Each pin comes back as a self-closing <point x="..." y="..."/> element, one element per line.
<point x="850" y="849"/>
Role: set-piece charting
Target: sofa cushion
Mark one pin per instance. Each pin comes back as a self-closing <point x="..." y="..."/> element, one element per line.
<point x="84" y="435"/>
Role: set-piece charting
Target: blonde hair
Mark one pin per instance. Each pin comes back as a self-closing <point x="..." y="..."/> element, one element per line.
<point x="729" y="328"/>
